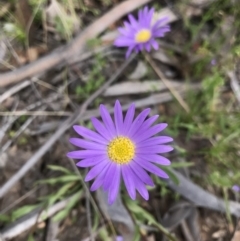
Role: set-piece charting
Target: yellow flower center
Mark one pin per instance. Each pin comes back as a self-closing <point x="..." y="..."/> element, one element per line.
<point x="121" y="150"/>
<point x="143" y="36"/>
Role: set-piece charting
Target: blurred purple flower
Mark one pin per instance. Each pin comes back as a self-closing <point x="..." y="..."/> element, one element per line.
<point x="119" y="238"/>
<point x="213" y="62"/>
<point x="125" y="147"/>
<point x="236" y="188"/>
<point x="140" y="34"/>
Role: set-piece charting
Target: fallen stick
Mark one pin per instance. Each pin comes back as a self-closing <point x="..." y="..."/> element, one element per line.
<point x="234" y="85"/>
<point x="74" y="48"/>
<point x="201" y="198"/>
<point x="144" y="87"/>
<point x="30" y="220"/>
<point x="14" y="90"/>
<point x="59" y="132"/>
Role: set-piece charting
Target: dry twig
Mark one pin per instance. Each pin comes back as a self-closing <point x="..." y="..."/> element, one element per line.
<point x="167" y="83"/>
<point x="14" y="90"/>
<point x="35" y="113"/>
<point x="234" y="85"/>
<point x="17" y="134"/>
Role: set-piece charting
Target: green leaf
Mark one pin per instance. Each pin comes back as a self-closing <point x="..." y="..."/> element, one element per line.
<point x="93" y="42"/>
<point x="67" y="178"/>
<point x="30" y="238"/>
<point x="170" y="174"/>
<point x="23" y="210"/>
<point x="59" y="168"/>
<point x="63" y="190"/>
<point x="95" y="222"/>
<point x="62" y="214"/>
<point x="181" y="164"/>
<point x="4" y="218"/>
<point x="180" y="150"/>
<point x="103" y="234"/>
<point x="137" y="235"/>
<point x="138" y="210"/>
<point x="133" y="206"/>
<point x="220" y="180"/>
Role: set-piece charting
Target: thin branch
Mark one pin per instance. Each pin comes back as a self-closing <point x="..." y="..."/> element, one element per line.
<point x="7" y="125"/>
<point x="35" y="113"/>
<point x="167" y="83"/>
<point x="14" y="90"/>
<point x="17" y="134"/>
<point x="234" y="85"/>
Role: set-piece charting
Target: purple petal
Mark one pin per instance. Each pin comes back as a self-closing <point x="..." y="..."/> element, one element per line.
<point x="161" y="32"/>
<point x="145" y="11"/>
<point x="92" y="161"/>
<point x="129" y="181"/>
<point x="149" y="122"/>
<point x="140" y="16"/>
<point x="146" y="124"/>
<point x="85" y="154"/>
<point x="91" y="135"/>
<point x="129" y="118"/>
<point x="96" y="170"/>
<point x="118" y="117"/>
<point x="154" y="44"/>
<point x="127" y="25"/>
<point x="155" y="141"/>
<point x="150" y="132"/>
<point x="101" y="129"/>
<point x="87" y="144"/>
<point x="129" y="51"/>
<point x="133" y="21"/>
<point x="126" y="32"/>
<point x="160" y="23"/>
<point x="110" y="174"/>
<point x="148" y="46"/>
<point x="156" y="159"/>
<point x="141" y="173"/>
<point x="119" y="238"/>
<point x="123" y="42"/>
<point x="140" y="46"/>
<point x="138" y="122"/>
<point x="136" y="48"/>
<point x="99" y="179"/>
<point x="151" y="168"/>
<point x="154" y="149"/>
<point x="236" y="188"/>
<point x="107" y="120"/>
<point x="149" y="17"/>
<point x="114" y="189"/>
<point x="141" y="188"/>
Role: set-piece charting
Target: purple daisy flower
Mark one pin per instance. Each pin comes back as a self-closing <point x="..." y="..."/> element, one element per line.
<point x="124" y="148"/>
<point x="236" y="188"/>
<point x="119" y="238"/>
<point x="141" y="34"/>
<point x="213" y="62"/>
